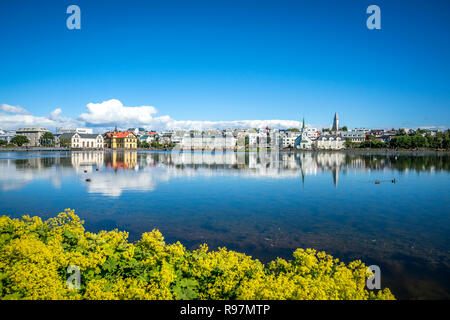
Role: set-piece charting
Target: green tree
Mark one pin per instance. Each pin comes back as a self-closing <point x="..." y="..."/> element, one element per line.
<point x="402" y="142"/>
<point x="3" y="143"/>
<point x="64" y="142"/>
<point x="47" y="139"/>
<point x="344" y="128"/>
<point x="372" y="142"/>
<point x="20" y="140"/>
<point x="419" y="141"/>
<point x="349" y="144"/>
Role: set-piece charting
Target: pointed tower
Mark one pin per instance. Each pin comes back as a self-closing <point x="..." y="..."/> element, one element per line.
<point x="335" y="123"/>
<point x="303" y="125"/>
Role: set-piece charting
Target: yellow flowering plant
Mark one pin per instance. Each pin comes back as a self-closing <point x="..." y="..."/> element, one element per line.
<point x="35" y="255"/>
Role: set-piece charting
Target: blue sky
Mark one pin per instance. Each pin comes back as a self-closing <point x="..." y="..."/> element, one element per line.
<point x="227" y="60"/>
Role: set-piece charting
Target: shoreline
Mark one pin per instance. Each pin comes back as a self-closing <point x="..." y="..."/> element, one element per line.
<point x="352" y="151"/>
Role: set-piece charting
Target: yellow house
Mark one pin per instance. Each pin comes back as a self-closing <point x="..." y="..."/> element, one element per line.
<point x="121" y="140"/>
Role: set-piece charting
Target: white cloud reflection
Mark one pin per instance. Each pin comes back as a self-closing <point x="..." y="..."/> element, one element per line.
<point x="112" y="173"/>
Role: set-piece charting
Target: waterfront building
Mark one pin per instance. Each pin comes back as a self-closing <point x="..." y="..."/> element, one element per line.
<point x="121" y="140"/>
<point x="82" y="140"/>
<point x="230" y="141"/>
<point x="287" y="138"/>
<point x="354" y="136"/>
<point x="220" y="141"/>
<point x="7" y="135"/>
<point x="253" y="139"/>
<point x="164" y="140"/>
<point x="147" y="138"/>
<point x="33" y="134"/>
<point x="330" y="142"/>
<point x="386" y="137"/>
<point x="303" y="141"/>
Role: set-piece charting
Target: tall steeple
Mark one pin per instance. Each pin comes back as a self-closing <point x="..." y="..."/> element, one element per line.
<point x="335" y="123"/>
<point x="303" y="125"/>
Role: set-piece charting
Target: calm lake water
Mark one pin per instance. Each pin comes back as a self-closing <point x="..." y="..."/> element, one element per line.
<point x="264" y="205"/>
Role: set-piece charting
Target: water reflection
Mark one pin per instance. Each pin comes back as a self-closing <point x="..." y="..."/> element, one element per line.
<point x="113" y="172"/>
<point x="263" y="204"/>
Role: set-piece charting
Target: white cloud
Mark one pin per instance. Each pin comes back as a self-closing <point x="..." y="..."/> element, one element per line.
<point x="54" y="120"/>
<point x="13" y="109"/>
<point x="203" y="125"/>
<point x="111" y="113"/>
<point x="114" y="112"/>
<point x="55" y="114"/>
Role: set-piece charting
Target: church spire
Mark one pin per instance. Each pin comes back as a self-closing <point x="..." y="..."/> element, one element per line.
<point x="335" y="123"/>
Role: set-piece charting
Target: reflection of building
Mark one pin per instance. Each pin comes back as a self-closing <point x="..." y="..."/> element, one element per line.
<point x="87" y="159"/>
<point x="147" y="169"/>
<point x="335" y="172"/>
<point x="82" y="140"/>
<point x="33" y="134"/>
<point x="121" y="140"/>
<point x="121" y="160"/>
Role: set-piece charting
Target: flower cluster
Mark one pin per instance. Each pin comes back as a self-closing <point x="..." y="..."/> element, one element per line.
<point x="34" y="256"/>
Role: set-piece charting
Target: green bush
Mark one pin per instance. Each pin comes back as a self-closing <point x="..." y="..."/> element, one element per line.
<point x="34" y="256"/>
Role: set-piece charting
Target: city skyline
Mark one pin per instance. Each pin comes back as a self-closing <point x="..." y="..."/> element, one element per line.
<point x="221" y="65"/>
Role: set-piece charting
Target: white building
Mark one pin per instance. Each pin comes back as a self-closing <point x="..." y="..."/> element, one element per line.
<point x="312" y="133"/>
<point x="354" y="136"/>
<point x="147" y="138"/>
<point x="230" y="141"/>
<point x="287" y="139"/>
<point x="7" y="135"/>
<point x="330" y="142"/>
<point x="303" y="141"/>
<point x="86" y="141"/>
<point x="208" y="142"/>
<point x="253" y="139"/>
